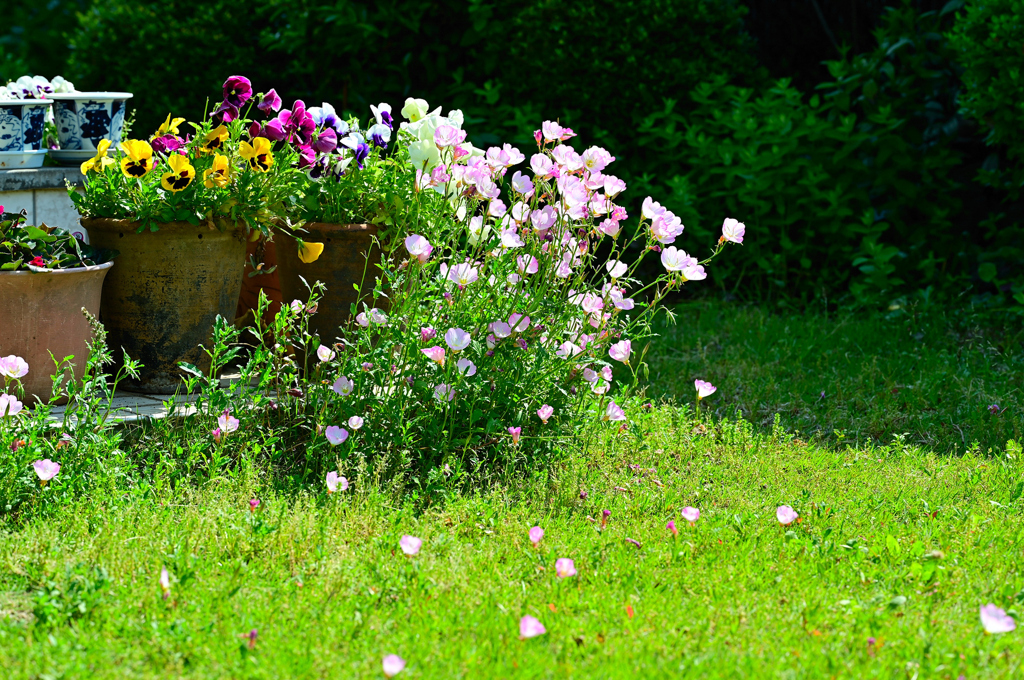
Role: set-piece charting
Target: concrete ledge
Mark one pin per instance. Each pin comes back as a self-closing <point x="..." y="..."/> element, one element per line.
<point x="27" y="179"/>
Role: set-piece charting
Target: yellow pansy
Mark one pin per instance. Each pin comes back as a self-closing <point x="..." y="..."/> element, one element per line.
<point x="258" y="154"/>
<point x="181" y="175"/>
<point x="99" y="162"/>
<point x="309" y="252"/>
<point x="215" y="139"/>
<point x="219" y="175"/>
<point x="138" y="158"/>
<point x="169" y="127"/>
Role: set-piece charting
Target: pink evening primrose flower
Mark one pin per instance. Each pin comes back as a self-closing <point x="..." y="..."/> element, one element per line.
<point x="324" y="353"/>
<point x="457" y="339"/>
<point x="9" y="405"/>
<point x="393" y="665"/>
<point x="46" y="469"/>
<point x="335" y="482"/>
<point x="536" y="533"/>
<point x="12" y="366"/>
<point x="363" y="320"/>
<point x="419" y="247"/>
<point x="343" y="386"/>
<point x="704" y="389"/>
<point x="463" y="274"/>
<point x="444" y="392"/>
<point x="227" y="422"/>
<point x="521" y="184"/>
<point x="530" y="627"/>
<point x="545" y="412"/>
<point x="435" y="353"/>
<point x="552" y="131"/>
<point x="427" y="333"/>
<point x="515" y="432"/>
<point x="690" y="514"/>
<point x="527" y="264"/>
<point x="614" y="412"/>
<point x="410" y="545"/>
<point x="501" y="329"/>
<point x="165" y="582"/>
<point x="609" y="227"/>
<point x="466" y="367"/>
<point x="519" y="323"/>
<point x="355" y="422"/>
<point x="620" y="351"/>
<point x="616" y="268"/>
<point x="786" y="515"/>
<point x="995" y="620"/>
<point x="564" y="567"/>
<point x="671" y="526"/>
<point x="336" y="435"/>
<point x="448" y="135"/>
<point x="733" y="230"/>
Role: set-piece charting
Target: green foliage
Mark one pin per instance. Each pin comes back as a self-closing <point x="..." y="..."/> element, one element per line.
<point x="21" y="244"/>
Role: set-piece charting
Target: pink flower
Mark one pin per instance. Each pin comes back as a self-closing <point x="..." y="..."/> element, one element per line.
<point x="457" y="339"/>
<point x="435" y="353"/>
<point x="465" y="367"/>
<point x="427" y="333"/>
<point x="690" y="514"/>
<point x="733" y="230"/>
<point x="334" y="482"/>
<point x="543" y="219"/>
<point x="418" y="247"/>
<point x="541" y="165"/>
<point x="218" y="435"/>
<point x="613" y="186"/>
<point x="518" y="322"/>
<point x="609" y="227"/>
<point x="12" y="366"/>
<point x="46" y="469"/>
<point x="9" y="405"/>
<point x="410" y="545"/>
<point x="227" y="423"/>
<point x="336" y="435"/>
<point x="564" y="567"/>
<point x="552" y="131"/>
<point x="501" y="329"/>
<point x="253" y="504"/>
<point x="355" y="422"/>
<point x="393" y="665"/>
<point x="704" y="389"/>
<point x="995" y="620"/>
<point x="463" y="274"/>
<point x="343" y="386"/>
<point x="614" y="412"/>
<point x="536" y="533"/>
<point x="165" y="582"/>
<point x="444" y="392"/>
<point x="618" y="299"/>
<point x="515" y="432"/>
<point x="597" y="159"/>
<point x="545" y="412"/>
<point x="786" y="515"/>
<point x="620" y="351"/>
<point x="671" y="526"/>
<point x="651" y="208"/>
<point x="522" y="184"/>
<point x="665" y="227"/>
<point x="592" y="303"/>
<point x="448" y="135"/>
<point x="530" y="627"/>
<point x="324" y="353"/>
<point x="363" y="320"/>
<point x="616" y="268"/>
<point x="527" y="264"/>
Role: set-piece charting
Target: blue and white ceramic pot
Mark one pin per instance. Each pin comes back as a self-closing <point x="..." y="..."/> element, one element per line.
<point x="85" y="118"/>
<point x="21" y="133"/>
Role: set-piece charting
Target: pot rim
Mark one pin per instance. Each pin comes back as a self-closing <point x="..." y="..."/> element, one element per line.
<point x="71" y="96"/>
<point x="71" y="270"/>
<point x="26" y="102"/>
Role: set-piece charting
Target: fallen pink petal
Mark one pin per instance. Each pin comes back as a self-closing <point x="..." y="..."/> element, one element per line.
<point x="786" y="515"/>
<point x="565" y="567"/>
<point x="536" y="533"/>
<point x="410" y="545"/>
<point x="994" y="620"/>
<point x="530" y="627"/>
<point x="393" y="665"/>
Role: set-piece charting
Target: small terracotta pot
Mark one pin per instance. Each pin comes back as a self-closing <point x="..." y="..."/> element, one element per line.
<point x="42" y="314"/>
<point x="270" y="284"/>
<point x="350" y="257"/>
<point x="165" y="291"/>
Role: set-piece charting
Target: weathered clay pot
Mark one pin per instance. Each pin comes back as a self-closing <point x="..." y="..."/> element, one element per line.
<point x="165" y="291"/>
<point x="42" y="314"/>
<point x="350" y="257"/>
<point x="270" y="284"/>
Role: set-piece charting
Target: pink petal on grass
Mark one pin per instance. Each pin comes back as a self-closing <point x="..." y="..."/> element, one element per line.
<point x="46" y="469"/>
<point x="536" y="533"/>
<point x="995" y="620"/>
<point x="786" y="515"/>
<point x="393" y="665"/>
<point x="690" y="514"/>
<point x="530" y="627"/>
<point x="564" y="567"/>
<point x="410" y="545"/>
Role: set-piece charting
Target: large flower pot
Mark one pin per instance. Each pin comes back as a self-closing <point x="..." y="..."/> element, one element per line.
<point x="350" y="258"/>
<point x="164" y="292"/>
<point x="42" y="314"/>
<point x="83" y="119"/>
<point x="252" y="284"/>
<point x="21" y="133"/>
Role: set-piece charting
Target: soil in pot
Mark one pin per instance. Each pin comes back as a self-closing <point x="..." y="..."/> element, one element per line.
<point x="164" y="292"/>
<point x="42" y="314"/>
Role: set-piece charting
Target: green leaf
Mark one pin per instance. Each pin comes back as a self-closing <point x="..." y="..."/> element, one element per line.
<point x="987" y="272"/>
<point x="892" y="545"/>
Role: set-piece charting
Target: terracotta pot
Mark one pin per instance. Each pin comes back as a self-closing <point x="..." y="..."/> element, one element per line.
<point x="270" y="284"/>
<point x="42" y="314"/>
<point x="165" y="291"/>
<point x="349" y="257"/>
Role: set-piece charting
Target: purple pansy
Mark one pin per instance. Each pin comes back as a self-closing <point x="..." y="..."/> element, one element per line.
<point x="270" y="103"/>
<point x="237" y="91"/>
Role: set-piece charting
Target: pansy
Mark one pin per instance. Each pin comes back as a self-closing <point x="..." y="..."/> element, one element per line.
<point x="995" y="620"/>
<point x="786" y="515"/>
<point x="13" y="366"/>
<point x="565" y="567"/>
<point x="621" y="350"/>
<point x="382" y="114"/>
<point x="138" y="159"/>
<point x="545" y="412"/>
<point x="9" y="405"/>
<point x="392" y="665"/>
<point x="530" y="627"/>
<point x="168" y="127"/>
<point x="219" y="174"/>
<point x="704" y="388"/>
<point x="336" y="435"/>
<point x="181" y="175"/>
<point x="410" y="545"/>
<point x="258" y="154"/>
<point x="46" y="469"/>
<point x="343" y="386"/>
<point x="226" y="112"/>
<point x="100" y="161"/>
<point x="465" y="367"/>
<point x="732" y="230"/>
<point x="380" y="135"/>
<point x="270" y="102"/>
<point x="214" y="139"/>
<point x="237" y="91"/>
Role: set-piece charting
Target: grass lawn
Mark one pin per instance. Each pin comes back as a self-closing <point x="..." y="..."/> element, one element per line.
<point x="898" y="544"/>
